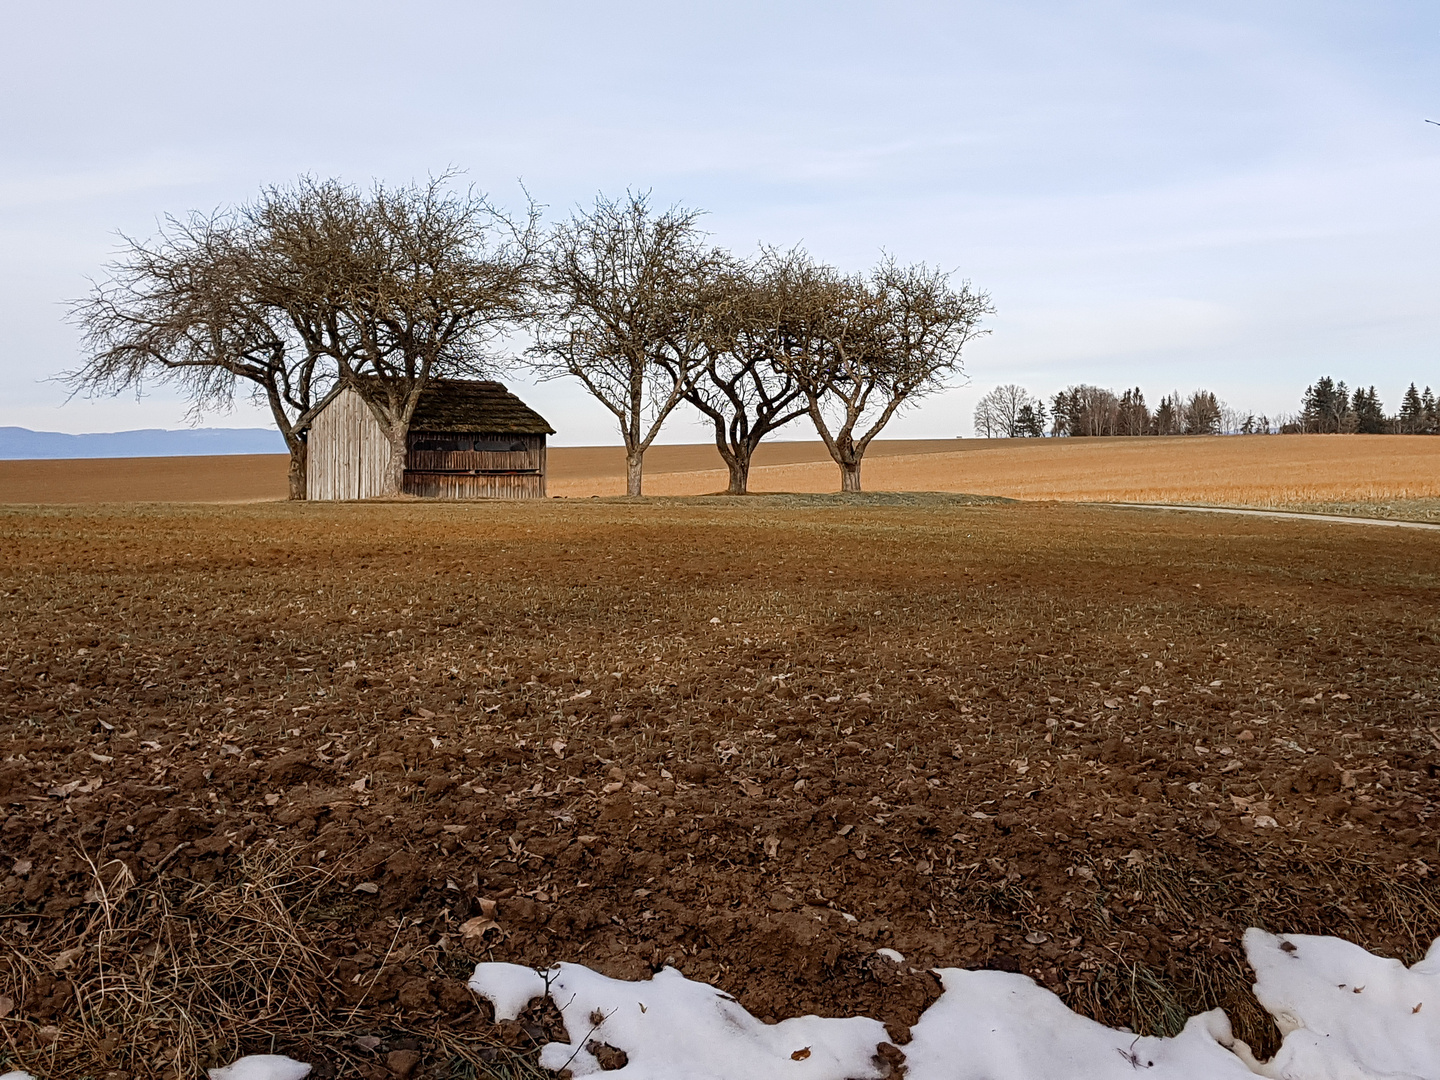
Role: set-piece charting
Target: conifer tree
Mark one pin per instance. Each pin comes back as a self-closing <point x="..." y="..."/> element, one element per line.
<point x="1411" y="418"/>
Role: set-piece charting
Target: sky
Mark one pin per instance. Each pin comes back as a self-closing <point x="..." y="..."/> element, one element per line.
<point x="1240" y="196"/>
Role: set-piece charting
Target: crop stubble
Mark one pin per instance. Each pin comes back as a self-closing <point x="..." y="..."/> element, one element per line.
<point x="756" y="740"/>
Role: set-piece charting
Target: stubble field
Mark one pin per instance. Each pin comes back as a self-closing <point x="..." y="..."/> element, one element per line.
<point x="276" y="776"/>
<point x="1395" y="476"/>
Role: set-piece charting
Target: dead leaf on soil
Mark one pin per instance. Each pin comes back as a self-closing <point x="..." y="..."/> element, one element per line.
<point x="367" y="887"/>
<point x="67" y="958"/>
<point x="473" y="930"/>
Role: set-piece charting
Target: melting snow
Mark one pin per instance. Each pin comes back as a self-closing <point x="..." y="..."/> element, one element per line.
<point x="260" y="1067"/>
<point x="1344" y="1013"/>
<point x="992" y="1025"/>
<point x="675" y="1029"/>
<point x="509" y="987"/>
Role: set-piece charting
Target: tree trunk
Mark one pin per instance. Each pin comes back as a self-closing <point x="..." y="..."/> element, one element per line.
<point x="633" y="467"/>
<point x="298" y="459"/>
<point x="739" y="474"/>
<point x="850" y="476"/>
<point x="395" y="469"/>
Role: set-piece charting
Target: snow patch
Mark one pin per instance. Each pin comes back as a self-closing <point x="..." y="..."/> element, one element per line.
<point x="1346" y="1013"/>
<point x="509" y="987"/>
<point x="993" y="1025"/>
<point x="673" y="1029"/>
<point x="260" y="1067"/>
<point x="16" y="1075"/>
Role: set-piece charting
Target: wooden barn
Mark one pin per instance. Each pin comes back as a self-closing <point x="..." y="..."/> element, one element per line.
<point x="468" y="440"/>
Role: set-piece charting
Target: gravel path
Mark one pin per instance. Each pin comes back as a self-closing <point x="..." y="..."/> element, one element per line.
<point x="1339" y="518"/>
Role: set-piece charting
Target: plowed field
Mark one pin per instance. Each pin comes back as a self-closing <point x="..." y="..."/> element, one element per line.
<point x="276" y="776"/>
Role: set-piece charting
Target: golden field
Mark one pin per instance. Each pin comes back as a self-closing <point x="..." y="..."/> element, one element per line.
<point x="1386" y="474"/>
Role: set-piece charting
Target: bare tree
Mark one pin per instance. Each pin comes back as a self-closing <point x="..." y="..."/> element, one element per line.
<point x="618" y="290"/>
<point x="744" y="330"/>
<point x="990" y="422"/>
<point x="395" y="286"/>
<point x="864" y="347"/>
<point x="1235" y="422"/>
<point x="185" y="309"/>
<point x="309" y="285"/>
<point x="998" y="413"/>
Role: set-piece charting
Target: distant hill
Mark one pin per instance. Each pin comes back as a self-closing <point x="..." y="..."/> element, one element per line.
<point x="17" y="443"/>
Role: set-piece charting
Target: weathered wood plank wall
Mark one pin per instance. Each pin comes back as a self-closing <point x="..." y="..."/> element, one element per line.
<point x="529" y="459"/>
<point x="433" y="485"/>
<point x="347" y="453"/>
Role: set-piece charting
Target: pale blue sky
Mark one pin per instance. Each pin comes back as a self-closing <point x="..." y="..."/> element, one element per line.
<point x="1237" y="195"/>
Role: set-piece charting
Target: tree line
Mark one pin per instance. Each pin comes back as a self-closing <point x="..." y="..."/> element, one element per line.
<point x="1327" y="407"/>
<point x="319" y="284"/>
<point x="1330" y="407"/>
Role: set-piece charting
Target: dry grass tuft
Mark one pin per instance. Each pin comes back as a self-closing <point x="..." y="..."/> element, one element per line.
<point x="170" y="972"/>
<point x="1199" y="976"/>
<point x="166" y="978"/>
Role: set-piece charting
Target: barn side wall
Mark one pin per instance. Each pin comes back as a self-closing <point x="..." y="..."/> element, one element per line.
<point x="347" y="453"/>
<point x="473" y="474"/>
<point x="432" y="485"/>
<point x="530" y="459"/>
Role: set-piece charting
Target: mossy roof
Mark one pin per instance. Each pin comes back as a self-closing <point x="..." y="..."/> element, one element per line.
<point x="472" y="405"/>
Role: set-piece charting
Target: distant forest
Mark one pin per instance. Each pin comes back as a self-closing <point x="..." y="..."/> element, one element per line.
<point x="1327" y="407"/>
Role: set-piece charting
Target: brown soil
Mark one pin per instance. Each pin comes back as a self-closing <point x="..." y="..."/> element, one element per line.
<point x="755" y="739"/>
